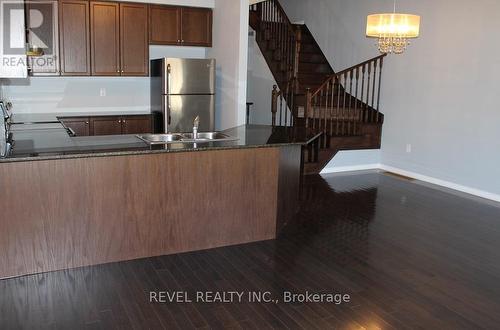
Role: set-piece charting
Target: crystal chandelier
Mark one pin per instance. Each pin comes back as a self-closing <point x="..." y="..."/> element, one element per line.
<point x="393" y="30"/>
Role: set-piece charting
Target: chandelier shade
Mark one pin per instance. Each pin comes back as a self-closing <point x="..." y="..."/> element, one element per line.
<point x="393" y="30"/>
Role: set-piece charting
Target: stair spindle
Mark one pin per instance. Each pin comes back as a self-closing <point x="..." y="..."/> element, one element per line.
<point x="332" y="110"/>
<point x="368" y="85"/>
<point x="337" y="111"/>
<point x="374" y="86"/>
<point x="307" y="110"/>
<point x="381" y="63"/>
<point x="357" y="117"/>
<point x="325" y="111"/>
<point x="349" y="115"/>
<point x="344" y="104"/>
<point x="283" y="110"/>
<point x="275" y="26"/>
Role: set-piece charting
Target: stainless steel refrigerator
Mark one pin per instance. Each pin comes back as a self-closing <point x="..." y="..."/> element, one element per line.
<point x="182" y="89"/>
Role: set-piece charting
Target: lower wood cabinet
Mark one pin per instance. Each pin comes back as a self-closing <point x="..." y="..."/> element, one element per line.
<point x="108" y="125"/>
<point x="136" y="125"/>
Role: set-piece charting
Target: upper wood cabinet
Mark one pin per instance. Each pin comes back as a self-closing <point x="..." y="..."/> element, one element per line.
<point x="180" y="26"/>
<point x="119" y="39"/>
<point x="196" y="27"/>
<point x="105" y="38"/>
<point x="134" y="48"/>
<point x="164" y="25"/>
<point x="74" y="37"/>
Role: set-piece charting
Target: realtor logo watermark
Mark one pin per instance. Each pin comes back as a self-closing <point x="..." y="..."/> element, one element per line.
<point x="28" y="28"/>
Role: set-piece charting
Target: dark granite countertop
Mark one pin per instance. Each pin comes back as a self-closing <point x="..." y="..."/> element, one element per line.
<point x="50" y="140"/>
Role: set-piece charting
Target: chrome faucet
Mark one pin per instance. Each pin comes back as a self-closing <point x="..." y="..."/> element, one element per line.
<point x="196" y="123"/>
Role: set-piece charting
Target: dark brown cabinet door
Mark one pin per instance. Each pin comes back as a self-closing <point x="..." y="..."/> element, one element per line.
<point x="164" y="25"/>
<point x="196" y="27"/>
<point x="105" y="41"/>
<point x="136" y="124"/>
<point x="74" y="38"/>
<point x="105" y="125"/>
<point x="134" y="50"/>
<point x="79" y="125"/>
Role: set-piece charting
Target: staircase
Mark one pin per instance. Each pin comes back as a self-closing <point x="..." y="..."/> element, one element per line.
<point x="343" y="106"/>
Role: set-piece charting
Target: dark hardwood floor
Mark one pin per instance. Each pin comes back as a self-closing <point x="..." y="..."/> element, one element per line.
<point x="409" y="256"/>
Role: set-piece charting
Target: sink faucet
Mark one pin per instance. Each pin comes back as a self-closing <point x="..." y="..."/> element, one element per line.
<point x="196" y="123"/>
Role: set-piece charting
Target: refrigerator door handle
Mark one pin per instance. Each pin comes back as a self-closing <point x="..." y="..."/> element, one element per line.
<point x="169" y="69"/>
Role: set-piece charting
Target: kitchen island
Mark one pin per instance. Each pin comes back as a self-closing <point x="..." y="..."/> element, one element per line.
<point x="70" y="202"/>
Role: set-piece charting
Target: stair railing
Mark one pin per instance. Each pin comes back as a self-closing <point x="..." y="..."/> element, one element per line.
<point x="286" y="38"/>
<point x="346" y="99"/>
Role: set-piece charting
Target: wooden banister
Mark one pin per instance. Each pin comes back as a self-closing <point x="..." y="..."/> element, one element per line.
<point x="360" y="64"/>
<point x="346" y="99"/>
<point x="357" y="66"/>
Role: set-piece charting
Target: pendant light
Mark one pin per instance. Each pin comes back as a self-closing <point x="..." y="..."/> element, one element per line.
<point x="393" y="30"/>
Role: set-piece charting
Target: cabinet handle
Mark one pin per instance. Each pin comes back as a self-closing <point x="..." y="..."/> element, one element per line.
<point x="123" y="121"/>
<point x="178" y="40"/>
<point x="182" y="40"/>
<point x="119" y="121"/>
<point x="122" y="71"/>
<point x="86" y="123"/>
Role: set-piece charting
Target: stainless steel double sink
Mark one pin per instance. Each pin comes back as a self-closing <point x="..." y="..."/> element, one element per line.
<point x="203" y="137"/>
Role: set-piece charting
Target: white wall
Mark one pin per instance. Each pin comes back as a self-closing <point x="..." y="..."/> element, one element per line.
<point x="230" y="48"/>
<point x="440" y="96"/>
<point x="81" y="94"/>
<point x="260" y="84"/>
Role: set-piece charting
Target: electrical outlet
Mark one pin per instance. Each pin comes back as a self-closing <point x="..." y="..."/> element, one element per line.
<point x="408" y="148"/>
<point x="102" y="91"/>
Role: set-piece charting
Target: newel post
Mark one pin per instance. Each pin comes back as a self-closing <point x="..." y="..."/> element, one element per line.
<point x="274" y="104"/>
<point x="307" y="110"/>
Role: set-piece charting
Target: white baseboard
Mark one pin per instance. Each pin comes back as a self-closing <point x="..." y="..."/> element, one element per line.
<point x="443" y="183"/>
<point x="417" y="176"/>
<point x="341" y="169"/>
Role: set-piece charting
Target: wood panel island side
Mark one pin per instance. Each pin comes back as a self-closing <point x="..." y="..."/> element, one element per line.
<point x="78" y="211"/>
